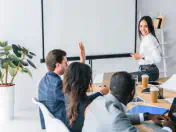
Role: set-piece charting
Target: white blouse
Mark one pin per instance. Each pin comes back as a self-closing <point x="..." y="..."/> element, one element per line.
<point x="150" y="50"/>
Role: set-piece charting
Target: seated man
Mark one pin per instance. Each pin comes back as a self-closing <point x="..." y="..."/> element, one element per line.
<point x="50" y="87"/>
<point x="108" y="113"/>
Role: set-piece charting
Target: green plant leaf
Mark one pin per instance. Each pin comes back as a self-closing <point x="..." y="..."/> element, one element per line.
<point x="21" y="52"/>
<point x="30" y="56"/>
<point x="16" y="49"/>
<point x="32" y="64"/>
<point x="3" y="71"/>
<point x="1" y="62"/>
<point x="31" y="53"/>
<point x="15" y="63"/>
<point x="27" y="71"/>
<point x="7" y="48"/>
<point x="6" y="60"/>
<point x="12" y="71"/>
<point x="4" y="53"/>
<point x="3" y="43"/>
<point x="23" y="63"/>
<point x="12" y="65"/>
<point x="5" y="65"/>
<point x="19" y="47"/>
<point x="1" y="74"/>
<point x="25" y="51"/>
<point x="13" y="57"/>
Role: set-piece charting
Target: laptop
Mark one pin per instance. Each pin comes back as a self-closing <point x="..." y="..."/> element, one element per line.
<point x="171" y="114"/>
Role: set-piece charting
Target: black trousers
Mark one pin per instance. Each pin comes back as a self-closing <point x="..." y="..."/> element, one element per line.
<point x="151" y="70"/>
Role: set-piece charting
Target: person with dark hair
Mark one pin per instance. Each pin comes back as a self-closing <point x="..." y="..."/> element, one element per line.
<point x="50" y="87"/>
<point x="108" y="113"/>
<point x="76" y="83"/>
<point x="150" y="50"/>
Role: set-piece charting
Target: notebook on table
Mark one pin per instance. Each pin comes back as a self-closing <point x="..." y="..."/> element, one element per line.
<point x="153" y="110"/>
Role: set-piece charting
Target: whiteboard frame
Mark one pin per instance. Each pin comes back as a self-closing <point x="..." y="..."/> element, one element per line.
<point x="92" y="57"/>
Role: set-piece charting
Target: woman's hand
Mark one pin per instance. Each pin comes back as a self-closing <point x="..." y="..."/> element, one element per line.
<point x="136" y="56"/>
<point x="104" y="90"/>
<point x="82" y="52"/>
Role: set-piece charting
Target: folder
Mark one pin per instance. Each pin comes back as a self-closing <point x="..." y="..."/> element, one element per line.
<point x="152" y="110"/>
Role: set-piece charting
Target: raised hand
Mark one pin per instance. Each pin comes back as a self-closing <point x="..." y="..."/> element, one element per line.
<point x="82" y="52"/>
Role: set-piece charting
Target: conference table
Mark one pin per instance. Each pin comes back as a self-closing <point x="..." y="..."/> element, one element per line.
<point x="146" y="97"/>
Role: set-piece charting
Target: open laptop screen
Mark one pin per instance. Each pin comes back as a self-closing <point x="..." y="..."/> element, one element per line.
<point x="172" y="112"/>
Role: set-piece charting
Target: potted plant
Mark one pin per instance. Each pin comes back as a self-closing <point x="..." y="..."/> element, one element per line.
<point x="13" y="58"/>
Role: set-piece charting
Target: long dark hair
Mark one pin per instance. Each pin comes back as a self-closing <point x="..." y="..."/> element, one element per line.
<point x="149" y="21"/>
<point x="77" y="80"/>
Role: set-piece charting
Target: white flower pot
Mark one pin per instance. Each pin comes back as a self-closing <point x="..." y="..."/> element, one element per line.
<point x="6" y="104"/>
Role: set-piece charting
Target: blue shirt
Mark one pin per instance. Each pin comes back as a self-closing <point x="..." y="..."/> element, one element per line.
<point x="51" y="95"/>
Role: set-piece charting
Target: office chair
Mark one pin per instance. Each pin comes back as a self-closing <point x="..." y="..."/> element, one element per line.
<point x="52" y="124"/>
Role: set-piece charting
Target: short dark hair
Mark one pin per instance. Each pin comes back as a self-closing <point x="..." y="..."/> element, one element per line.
<point x="121" y="85"/>
<point x="77" y="79"/>
<point x="53" y="57"/>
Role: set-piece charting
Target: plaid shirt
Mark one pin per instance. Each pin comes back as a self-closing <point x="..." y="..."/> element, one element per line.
<point x="51" y="95"/>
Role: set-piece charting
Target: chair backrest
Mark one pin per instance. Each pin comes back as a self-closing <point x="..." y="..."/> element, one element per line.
<point x="52" y="124"/>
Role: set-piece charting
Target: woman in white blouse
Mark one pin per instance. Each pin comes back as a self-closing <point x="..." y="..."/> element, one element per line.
<point x="150" y="51"/>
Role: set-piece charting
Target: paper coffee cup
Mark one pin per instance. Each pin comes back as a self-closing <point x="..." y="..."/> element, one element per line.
<point x="145" y="79"/>
<point x="154" y="94"/>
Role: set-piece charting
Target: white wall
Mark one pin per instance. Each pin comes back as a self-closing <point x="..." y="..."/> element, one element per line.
<point x="21" y="24"/>
<point x="167" y="8"/>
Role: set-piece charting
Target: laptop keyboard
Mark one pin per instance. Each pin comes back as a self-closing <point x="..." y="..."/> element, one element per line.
<point x="153" y="127"/>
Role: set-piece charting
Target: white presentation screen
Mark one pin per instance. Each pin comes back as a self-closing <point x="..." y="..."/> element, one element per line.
<point x="104" y="26"/>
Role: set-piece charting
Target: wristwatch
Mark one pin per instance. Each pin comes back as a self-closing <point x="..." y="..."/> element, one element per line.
<point x="146" y="118"/>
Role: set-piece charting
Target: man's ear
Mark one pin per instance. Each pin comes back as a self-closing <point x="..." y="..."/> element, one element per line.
<point x="57" y="64"/>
